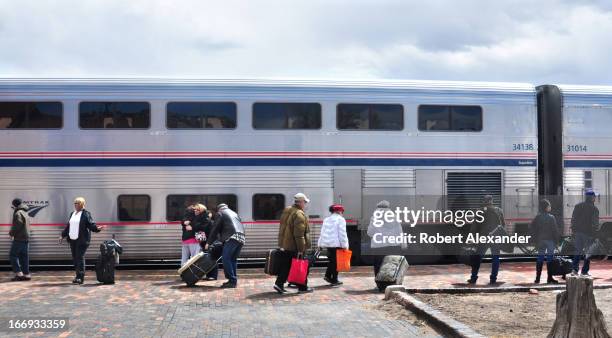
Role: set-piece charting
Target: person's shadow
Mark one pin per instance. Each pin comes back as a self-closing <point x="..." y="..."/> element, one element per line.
<point x="271" y="295"/>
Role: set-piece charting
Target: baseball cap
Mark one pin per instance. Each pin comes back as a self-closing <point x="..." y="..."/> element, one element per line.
<point x="301" y="197"/>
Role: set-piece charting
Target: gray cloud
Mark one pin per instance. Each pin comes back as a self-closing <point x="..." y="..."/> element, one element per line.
<point x="518" y="40"/>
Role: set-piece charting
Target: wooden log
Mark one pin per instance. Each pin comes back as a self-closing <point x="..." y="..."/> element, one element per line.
<point x="577" y="313"/>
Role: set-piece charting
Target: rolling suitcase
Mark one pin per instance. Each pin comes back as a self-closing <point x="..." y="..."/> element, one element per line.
<point x="271" y="267"/>
<point x="392" y="271"/>
<point x="105" y="265"/>
<point x="195" y="268"/>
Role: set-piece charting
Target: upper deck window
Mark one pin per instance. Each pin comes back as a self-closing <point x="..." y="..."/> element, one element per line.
<point x="114" y="115"/>
<point x="370" y="116"/>
<point x="201" y="115"/>
<point x="286" y="116"/>
<point x="31" y="115"/>
<point x="450" y="118"/>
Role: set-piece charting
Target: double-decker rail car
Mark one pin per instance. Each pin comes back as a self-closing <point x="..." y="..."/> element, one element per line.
<point x="140" y="150"/>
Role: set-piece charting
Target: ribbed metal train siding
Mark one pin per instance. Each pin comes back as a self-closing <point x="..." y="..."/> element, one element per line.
<point x="389" y="178"/>
<point x="148" y="241"/>
<point x="466" y="189"/>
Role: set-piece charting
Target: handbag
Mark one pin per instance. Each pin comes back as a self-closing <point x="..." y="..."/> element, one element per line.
<point x="298" y="271"/>
<point x="343" y="260"/>
<point x="200" y="236"/>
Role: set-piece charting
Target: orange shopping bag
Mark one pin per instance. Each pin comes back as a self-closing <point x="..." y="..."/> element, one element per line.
<point x="343" y="260"/>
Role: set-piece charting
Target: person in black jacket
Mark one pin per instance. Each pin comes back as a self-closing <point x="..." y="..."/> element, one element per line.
<point x="493" y="216"/>
<point x="20" y="235"/>
<point x="545" y="235"/>
<point x="78" y="232"/>
<point x="585" y="223"/>
<point x="230" y="231"/>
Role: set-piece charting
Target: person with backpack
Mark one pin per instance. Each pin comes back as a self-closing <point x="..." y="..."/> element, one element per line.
<point x="545" y="235"/>
<point x="20" y="247"/>
<point x="492" y="217"/>
<point x="585" y="224"/>
<point x="333" y="237"/>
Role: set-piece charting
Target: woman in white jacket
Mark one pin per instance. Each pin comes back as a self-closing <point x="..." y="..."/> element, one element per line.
<point x="333" y="237"/>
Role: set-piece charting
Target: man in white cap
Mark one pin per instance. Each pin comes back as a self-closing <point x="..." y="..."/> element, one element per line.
<point x="293" y="239"/>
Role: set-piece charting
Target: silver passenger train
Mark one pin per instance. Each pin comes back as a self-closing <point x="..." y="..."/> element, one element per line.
<point x="139" y="151"/>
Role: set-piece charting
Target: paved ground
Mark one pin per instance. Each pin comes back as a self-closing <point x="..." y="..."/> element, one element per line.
<point x="156" y="304"/>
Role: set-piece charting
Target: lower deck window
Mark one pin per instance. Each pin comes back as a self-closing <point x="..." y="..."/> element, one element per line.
<point x="177" y="204"/>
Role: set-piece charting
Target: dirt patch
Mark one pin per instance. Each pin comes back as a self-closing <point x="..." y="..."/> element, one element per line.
<point x="393" y="310"/>
<point x="509" y="314"/>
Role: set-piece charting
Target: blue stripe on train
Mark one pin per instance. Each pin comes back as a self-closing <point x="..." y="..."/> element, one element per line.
<point x="587" y="163"/>
<point x="183" y="162"/>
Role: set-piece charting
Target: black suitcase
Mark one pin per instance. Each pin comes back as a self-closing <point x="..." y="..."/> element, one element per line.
<point x="105" y="265"/>
<point x="392" y="271"/>
<point x="195" y="268"/>
<point x="105" y="269"/>
<point x="560" y="266"/>
<point x="271" y="267"/>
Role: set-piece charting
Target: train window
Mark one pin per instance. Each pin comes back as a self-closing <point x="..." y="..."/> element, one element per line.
<point x="176" y="204"/>
<point x="31" y="115"/>
<point x="134" y="207"/>
<point x="286" y="116"/>
<point x="201" y="115"/>
<point x="370" y="116"/>
<point x="450" y="118"/>
<point x="114" y="115"/>
<point x="268" y="206"/>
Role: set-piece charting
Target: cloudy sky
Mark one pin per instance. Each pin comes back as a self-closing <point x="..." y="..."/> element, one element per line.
<point x="535" y="41"/>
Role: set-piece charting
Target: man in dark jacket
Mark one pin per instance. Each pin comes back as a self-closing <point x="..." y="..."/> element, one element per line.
<point x="493" y="216"/>
<point x="545" y="235"/>
<point x="585" y="223"/>
<point x="229" y="230"/>
<point x="20" y="234"/>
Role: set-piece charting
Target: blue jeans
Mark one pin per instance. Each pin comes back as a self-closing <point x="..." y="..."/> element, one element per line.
<point x="19" y="257"/>
<point x="547" y="248"/>
<point x="231" y="250"/>
<point x="581" y="242"/>
<point x="494" y="264"/>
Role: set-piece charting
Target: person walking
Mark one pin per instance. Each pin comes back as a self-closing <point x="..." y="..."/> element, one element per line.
<point x="585" y="223"/>
<point x="493" y="216"/>
<point x="546" y="235"/>
<point x="293" y="240"/>
<point x="20" y="236"/>
<point x="78" y="232"/>
<point x="333" y="237"/>
<point x="190" y="226"/>
<point x="229" y="230"/>
<point x="379" y="228"/>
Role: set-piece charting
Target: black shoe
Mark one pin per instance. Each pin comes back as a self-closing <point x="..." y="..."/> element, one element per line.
<point x="75" y="281"/>
<point x="552" y="280"/>
<point x="18" y="278"/>
<point x="494" y="282"/>
<point x="279" y="289"/>
<point x="337" y="283"/>
<point x="209" y="278"/>
<point x="471" y="281"/>
<point x="78" y="281"/>
<point x="291" y="285"/>
<point x="228" y="285"/>
<point x="306" y="290"/>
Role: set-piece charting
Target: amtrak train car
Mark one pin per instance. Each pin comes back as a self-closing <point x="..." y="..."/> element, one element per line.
<point x="140" y="151"/>
<point x="580" y="147"/>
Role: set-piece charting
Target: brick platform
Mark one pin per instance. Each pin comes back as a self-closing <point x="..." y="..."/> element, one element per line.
<point x="156" y="303"/>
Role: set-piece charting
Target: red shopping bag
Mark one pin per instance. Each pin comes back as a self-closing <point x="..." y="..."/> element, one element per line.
<point x="298" y="271"/>
<point x="343" y="260"/>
